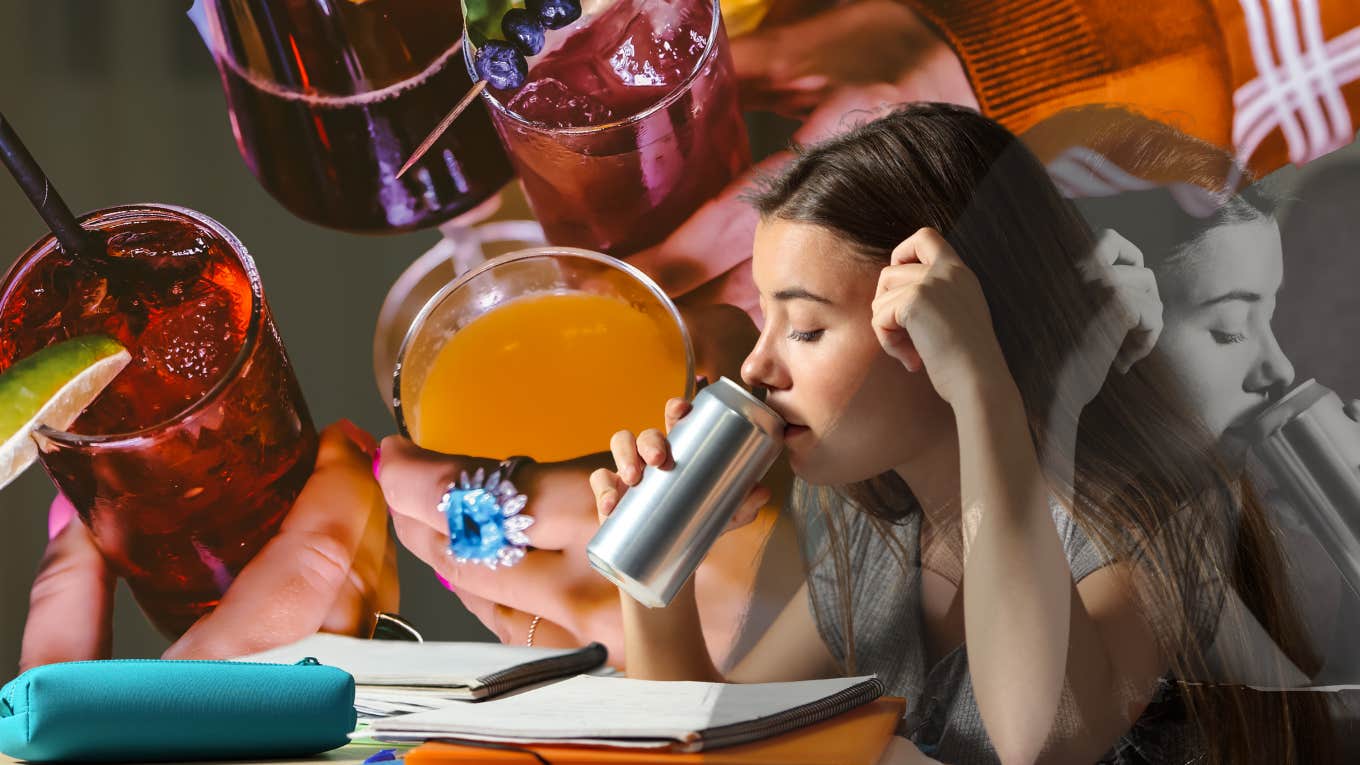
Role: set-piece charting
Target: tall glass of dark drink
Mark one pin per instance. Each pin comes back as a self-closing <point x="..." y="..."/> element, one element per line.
<point x="328" y="98"/>
<point x="187" y="463"/>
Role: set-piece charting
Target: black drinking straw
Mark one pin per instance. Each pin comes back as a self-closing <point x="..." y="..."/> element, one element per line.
<point x="40" y="191"/>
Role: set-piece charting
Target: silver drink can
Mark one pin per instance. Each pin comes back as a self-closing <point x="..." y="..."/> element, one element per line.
<point x="663" y="527"/>
<point x="1310" y="449"/>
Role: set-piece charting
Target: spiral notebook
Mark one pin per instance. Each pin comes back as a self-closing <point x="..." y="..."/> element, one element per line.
<point x="638" y="714"/>
<point x="397" y="676"/>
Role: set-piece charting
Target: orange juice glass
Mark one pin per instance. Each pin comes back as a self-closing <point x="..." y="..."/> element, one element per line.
<point x="545" y="353"/>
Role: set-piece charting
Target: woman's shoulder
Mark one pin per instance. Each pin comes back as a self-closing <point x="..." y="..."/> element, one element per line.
<point x="818" y="507"/>
<point x="821" y="514"/>
<point x="831" y="524"/>
<point x="1085" y="556"/>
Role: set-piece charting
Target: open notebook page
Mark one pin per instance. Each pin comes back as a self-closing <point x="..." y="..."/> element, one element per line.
<point x="616" y="710"/>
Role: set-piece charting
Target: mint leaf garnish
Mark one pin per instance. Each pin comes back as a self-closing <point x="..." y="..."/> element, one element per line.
<point x="483" y="18"/>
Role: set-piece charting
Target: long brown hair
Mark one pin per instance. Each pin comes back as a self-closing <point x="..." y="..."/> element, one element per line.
<point x="1168" y="225"/>
<point x="1147" y="486"/>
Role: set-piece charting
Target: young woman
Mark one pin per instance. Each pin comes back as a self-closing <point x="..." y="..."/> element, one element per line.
<point x="1220" y="267"/>
<point x="1026" y="550"/>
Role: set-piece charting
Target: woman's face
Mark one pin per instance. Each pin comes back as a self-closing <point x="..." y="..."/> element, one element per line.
<point x="854" y="412"/>
<point x="1218" y="302"/>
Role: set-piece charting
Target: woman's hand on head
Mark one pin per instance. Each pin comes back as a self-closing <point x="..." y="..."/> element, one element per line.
<point x="1126" y="328"/>
<point x="929" y="312"/>
<point x="633" y="454"/>
<point x="1117" y="264"/>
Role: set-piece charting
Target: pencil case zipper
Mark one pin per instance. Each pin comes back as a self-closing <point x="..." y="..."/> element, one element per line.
<point x="7" y="701"/>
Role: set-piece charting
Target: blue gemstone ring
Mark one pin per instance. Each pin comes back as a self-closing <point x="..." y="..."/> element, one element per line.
<point x="484" y="516"/>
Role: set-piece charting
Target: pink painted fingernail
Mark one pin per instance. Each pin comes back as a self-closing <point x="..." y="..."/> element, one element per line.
<point x="444" y="582"/>
<point x="59" y="516"/>
<point x="377" y="461"/>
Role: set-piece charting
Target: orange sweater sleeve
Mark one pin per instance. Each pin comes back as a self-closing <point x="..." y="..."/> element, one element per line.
<point x="1220" y="70"/>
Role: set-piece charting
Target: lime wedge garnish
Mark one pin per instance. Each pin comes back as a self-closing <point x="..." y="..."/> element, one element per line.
<point x="52" y="387"/>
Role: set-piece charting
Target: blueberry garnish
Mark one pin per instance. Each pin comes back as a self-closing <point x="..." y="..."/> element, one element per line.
<point x="524" y="30"/>
<point x="501" y="65"/>
<point x="555" y="14"/>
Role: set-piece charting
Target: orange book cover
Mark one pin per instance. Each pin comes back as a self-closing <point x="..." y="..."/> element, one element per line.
<point x="857" y="737"/>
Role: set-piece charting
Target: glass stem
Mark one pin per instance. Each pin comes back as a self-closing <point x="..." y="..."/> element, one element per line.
<point x="466" y="239"/>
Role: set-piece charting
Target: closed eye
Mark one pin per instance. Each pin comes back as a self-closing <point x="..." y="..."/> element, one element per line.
<point x="1227" y="338"/>
<point x="806" y="337"/>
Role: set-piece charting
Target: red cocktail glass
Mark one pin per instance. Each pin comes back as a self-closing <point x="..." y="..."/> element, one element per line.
<point x="187" y="463"/>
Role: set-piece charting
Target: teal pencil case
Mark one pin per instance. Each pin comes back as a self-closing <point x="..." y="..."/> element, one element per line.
<point x="175" y="711"/>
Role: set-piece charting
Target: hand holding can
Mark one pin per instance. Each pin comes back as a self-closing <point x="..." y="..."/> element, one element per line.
<point x="671" y="498"/>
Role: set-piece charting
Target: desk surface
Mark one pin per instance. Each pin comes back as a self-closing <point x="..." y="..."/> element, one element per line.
<point x="899" y="752"/>
<point x="354" y="754"/>
<point x="839" y="740"/>
<point x="861" y="735"/>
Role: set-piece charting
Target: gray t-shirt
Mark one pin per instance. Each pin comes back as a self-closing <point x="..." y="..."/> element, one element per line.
<point x="884" y="581"/>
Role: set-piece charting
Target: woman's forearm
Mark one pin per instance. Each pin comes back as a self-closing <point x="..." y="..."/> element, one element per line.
<point x="667" y="643"/>
<point x="1017" y="582"/>
<point x="1043" y="649"/>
